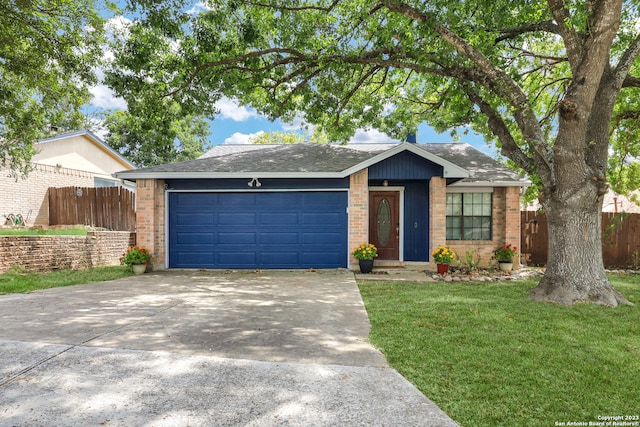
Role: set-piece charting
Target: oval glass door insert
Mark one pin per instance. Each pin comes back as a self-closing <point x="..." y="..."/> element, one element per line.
<point x="384" y="222"/>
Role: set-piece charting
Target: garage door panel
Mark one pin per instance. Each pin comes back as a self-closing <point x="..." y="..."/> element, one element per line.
<point x="278" y="218"/>
<point x="238" y="259"/>
<point x="194" y="259"/>
<point x="320" y="238"/>
<point x="321" y="219"/>
<point x="204" y="219"/>
<point x="279" y="238"/>
<point x="273" y="259"/>
<point x="329" y="259"/>
<point x="195" y="238"/>
<point x="237" y="219"/>
<point x="186" y="199"/>
<point x="237" y="238"/>
<point x="231" y="199"/>
<point x="258" y="230"/>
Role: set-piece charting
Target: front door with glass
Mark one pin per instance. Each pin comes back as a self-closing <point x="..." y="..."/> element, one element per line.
<point x="384" y="223"/>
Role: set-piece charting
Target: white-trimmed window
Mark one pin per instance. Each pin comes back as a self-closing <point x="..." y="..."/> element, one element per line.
<point x="469" y="216"/>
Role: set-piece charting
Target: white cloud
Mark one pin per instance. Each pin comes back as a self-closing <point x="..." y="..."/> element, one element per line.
<point x="103" y="97"/>
<point x="371" y="136"/>
<point x="118" y="26"/>
<point x="241" y="138"/>
<point x="229" y="109"/>
<point x="198" y="7"/>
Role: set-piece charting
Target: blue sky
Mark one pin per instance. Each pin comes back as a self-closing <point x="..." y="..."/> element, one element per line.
<point x="236" y="124"/>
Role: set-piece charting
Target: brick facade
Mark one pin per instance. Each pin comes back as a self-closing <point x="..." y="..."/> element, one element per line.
<point x="358" y="211"/>
<point x="150" y="219"/>
<point x="47" y="253"/>
<point x="29" y="196"/>
<point x="438" y="212"/>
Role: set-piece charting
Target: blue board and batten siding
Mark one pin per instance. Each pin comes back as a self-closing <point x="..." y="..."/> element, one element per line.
<point x="248" y="230"/>
<point x="412" y="172"/>
<point x="416" y="221"/>
<point x="405" y="166"/>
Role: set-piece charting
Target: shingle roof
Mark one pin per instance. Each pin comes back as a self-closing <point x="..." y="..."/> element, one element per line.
<point x="323" y="160"/>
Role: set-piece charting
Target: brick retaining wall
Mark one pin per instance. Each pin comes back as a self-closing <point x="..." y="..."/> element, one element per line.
<point x="46" y="253"/>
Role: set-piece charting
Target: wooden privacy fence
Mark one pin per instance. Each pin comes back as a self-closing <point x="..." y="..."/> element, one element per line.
<point x="112" y="208"/>
<point x="620" y="239"/>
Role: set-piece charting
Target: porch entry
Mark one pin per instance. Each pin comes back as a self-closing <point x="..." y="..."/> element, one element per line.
<point x="384" y="223"/>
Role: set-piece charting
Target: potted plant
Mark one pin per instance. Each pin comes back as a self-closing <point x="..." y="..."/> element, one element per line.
<point x="443" y="255"/>
<point x="504" y="255"/>
<point x="137" y="258"/>
<point x="365" y="253"/>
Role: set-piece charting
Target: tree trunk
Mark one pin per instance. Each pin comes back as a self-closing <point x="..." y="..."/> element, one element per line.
<point x="575" y="270"/>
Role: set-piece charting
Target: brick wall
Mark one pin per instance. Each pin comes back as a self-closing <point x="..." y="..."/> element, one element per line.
<point x="150" y="219"/>
<point x="29" y="196"/>
<point x="437" y="214"/>
<point x="46" y="253"/>
<point x="358" y="211"/>
<point x="505" y="227"/>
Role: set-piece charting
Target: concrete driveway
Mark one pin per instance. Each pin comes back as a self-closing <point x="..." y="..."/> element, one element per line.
<point x="201" y="348"/>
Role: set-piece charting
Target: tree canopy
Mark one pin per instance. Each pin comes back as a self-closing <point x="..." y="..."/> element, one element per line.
<point x="554" y="83"/>
<point x="48" y="51"/>
<point x="149" y="140"/>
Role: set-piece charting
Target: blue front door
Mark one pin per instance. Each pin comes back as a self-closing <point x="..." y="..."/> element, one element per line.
<point x="258" y="230"/>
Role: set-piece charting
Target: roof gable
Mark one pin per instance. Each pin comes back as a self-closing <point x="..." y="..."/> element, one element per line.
<point x="80" y="150"/>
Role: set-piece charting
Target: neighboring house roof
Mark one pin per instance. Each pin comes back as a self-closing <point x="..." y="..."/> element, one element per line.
<point x="459" y="161"/>
<point x="81" y="150"/>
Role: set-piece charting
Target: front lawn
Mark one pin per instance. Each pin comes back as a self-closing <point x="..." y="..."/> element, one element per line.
<point x="488" y="356"/>
<point x="17" y="281"/>
<point x="70" y="231"/>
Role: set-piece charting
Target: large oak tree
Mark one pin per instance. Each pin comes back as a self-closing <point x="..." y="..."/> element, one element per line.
<point x="48" y="53"/>
<point x="554" y="83"/>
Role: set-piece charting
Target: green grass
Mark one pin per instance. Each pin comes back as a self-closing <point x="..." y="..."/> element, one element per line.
<point x="43" y="232"/>
<point x="488" y="356"/>
<point x="16" y="281"/>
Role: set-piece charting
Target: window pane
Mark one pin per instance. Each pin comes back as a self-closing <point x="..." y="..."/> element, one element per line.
<point x="384" y="222"/>
<point x="457" y="209"/>
<point x="467" y="209"/>
<point x="478" y="198"/>
<point x="468" y="234"/>
<point x="486" y="209"/>
<point x="486" y="234"/>
<point x="453" y="234"/>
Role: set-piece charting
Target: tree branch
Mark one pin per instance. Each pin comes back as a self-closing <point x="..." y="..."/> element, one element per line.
<point x="499" y="128"/>
<point x="296" y="8"/>
<point x="631" y="81"/>
<point x="509" y="33"/>
<point x="571" y="39"/>
<point x="621" y="71"/>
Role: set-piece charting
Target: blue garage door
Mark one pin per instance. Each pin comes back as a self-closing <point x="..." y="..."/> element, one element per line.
<point x="258" y="230"/>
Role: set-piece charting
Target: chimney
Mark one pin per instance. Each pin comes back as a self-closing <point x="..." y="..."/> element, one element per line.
<point x="412" y="138"/>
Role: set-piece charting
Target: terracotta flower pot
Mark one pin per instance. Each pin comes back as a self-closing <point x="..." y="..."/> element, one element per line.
<point x="442" y="268"/>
